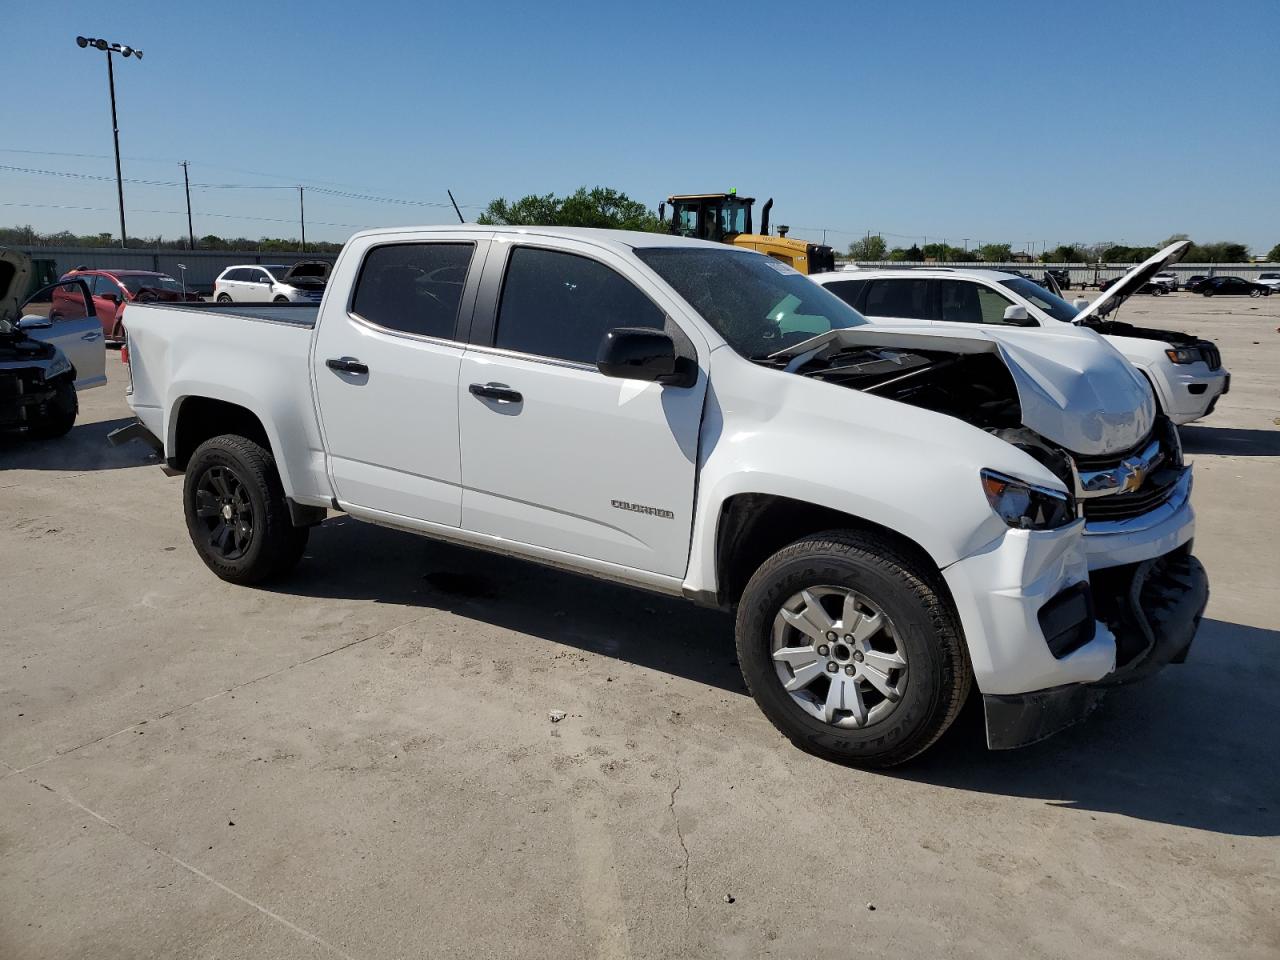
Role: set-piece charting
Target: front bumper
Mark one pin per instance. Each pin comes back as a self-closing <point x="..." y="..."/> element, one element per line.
<point x="1193" y="393"/>
<point x="1143" y="615"/>
<point x="1153" y="610"/>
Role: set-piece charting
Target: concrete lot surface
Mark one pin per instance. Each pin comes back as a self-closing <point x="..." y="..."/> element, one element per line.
<point x="359" y="762"/>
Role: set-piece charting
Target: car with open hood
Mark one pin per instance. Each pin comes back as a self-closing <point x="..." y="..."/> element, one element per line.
<point x="1185" y="371"/>
<point x="44" y="359"/>
<point x="272" y="283"/>
<point x="894" y="515"/>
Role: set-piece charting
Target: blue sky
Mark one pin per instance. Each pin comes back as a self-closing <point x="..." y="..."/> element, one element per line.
<point x="1009" y="122"/>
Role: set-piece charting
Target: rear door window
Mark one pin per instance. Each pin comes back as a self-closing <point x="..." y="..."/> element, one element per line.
<point x="561" y="305"/>
<point x="963" y="301"/>
<point x="414" y="287"/>
<point x="907" y="298"/>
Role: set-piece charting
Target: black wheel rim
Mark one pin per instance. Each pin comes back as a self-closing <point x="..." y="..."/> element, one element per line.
<point x="224" y="510"/>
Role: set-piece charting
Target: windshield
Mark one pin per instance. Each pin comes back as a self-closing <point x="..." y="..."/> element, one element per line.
<point x="1054" y="306"/>
<point x="758" y="304"/>
<point x="135" y="284"/>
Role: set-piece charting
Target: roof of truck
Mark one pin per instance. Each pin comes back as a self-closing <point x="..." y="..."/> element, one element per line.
<point x="629" y="239"/>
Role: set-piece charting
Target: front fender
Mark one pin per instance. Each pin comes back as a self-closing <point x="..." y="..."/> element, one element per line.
<point x="912" y="471"/>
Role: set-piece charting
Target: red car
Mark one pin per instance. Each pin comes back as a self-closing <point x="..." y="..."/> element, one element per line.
<point x="112" y="289"/>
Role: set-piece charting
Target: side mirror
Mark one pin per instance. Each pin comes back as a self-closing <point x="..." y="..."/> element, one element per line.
<point x="1016" y="315"/>
<point x="110" y="297"/>
<point x="34" y="322"/>
<point x="641" y="353"/>
<point x="1080" y="303"/>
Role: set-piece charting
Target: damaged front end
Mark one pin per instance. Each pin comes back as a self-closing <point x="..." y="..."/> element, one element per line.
<point x="1076" y="407"/>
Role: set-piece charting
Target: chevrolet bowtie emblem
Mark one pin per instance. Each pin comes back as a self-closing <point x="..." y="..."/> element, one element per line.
<point x="1135" y="472"/>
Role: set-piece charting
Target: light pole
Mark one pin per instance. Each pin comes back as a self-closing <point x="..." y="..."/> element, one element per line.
<point x="124" y="51"/>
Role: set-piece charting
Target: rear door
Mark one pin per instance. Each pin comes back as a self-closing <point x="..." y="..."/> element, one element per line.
<point x="76" y="329"/>
<point x="970" y="302"/>
<point x="898" y="300"/>
<point x="554" y="453"/>
<point x="385" y="367"/>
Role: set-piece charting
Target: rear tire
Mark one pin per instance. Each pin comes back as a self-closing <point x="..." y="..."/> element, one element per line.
<point x="223" y="298"/>
<point x="901" y="604"/>
<point x="236" y="512"/>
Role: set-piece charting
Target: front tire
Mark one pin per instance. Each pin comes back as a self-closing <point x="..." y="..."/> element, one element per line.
<point x="280" y="300"/>
<point x="236" y="512"/>
<point x="61" y="416"/>
<point x="851" y="649"/>
<point x="1206" y="293"/>
<point x="1255" y="293"/>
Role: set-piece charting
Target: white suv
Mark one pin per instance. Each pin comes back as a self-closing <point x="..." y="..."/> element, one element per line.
<point x="1185" y="372"/>
<point x="265" y="283"/>
<point x="1271" y="280"/>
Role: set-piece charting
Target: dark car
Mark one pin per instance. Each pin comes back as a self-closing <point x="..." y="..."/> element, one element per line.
<point x="112" y="289"/>
<point x="1194" y="282"/>
<point x="1233" y="287"/>
<point x="1061" y="277"/>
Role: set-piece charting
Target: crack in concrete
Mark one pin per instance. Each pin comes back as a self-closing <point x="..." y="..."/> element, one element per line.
<point x="196" y="871"/>
<point x="671" y="806"/>
<point x="214" y="696"/>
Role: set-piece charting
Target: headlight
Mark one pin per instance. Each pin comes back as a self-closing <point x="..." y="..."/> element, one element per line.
<point x="1184" y="355"/>
<point x="57" y="366"/>
<point x="1025" y="506"/>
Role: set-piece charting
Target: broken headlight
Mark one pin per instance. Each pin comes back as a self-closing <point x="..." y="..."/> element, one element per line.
<point x="57" y="366"/>
<point x="1026" y="506"/>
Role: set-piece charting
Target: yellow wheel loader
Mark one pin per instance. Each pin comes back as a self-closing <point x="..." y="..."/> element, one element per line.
<point x="726" y="218"/>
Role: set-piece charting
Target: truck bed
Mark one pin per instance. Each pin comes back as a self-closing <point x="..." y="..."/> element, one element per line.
<point x="294" y="314"/>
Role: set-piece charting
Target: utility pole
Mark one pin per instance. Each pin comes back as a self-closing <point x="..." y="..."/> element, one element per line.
<point x="125" y="51"/>
<point x="302" y="217"/>
<point x="186" y="182"/>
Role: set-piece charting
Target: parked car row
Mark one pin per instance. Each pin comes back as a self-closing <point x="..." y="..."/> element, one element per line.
<point x="966" y="485"/>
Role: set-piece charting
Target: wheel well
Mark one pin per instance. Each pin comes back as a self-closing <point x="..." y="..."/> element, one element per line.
<point x="200" y="418"/>
<point x="754" y="526"/>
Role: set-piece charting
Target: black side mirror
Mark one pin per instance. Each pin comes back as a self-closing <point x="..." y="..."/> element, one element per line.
<point x="641" y="353"/>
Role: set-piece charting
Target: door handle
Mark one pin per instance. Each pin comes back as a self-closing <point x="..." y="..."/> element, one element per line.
<point x="92" y="335"/>
<point x="496" y="391"/>
<point x="346" y="365"/>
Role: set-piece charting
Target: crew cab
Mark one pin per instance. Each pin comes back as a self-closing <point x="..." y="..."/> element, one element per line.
<point x="1184" y="371"/>
<point x="894" y="515"/>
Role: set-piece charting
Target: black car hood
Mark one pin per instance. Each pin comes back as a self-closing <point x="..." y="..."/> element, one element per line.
<point x="17" y="347"/>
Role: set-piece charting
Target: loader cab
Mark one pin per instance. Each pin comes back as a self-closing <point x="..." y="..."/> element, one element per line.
<point x="710" y="216"/>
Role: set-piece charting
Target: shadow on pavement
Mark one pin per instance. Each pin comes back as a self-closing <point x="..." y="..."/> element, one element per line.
<point x="1194" y="747"/>
<point x="84" y="448"/>
<point x="349" y="559"/>
<point x="1231" y="441"/>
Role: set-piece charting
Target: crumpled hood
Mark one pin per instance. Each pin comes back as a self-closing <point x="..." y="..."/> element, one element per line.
<point x="1074" y="388"/>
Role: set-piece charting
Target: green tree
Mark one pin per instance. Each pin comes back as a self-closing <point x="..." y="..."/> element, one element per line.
<point x="1274" y="255"/>
<point x="871" y="248"/>
<point x="995" y="252"/>
<point x="598" y="207"/>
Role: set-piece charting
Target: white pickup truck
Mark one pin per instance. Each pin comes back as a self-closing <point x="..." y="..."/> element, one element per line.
<point x="896" y="515"/>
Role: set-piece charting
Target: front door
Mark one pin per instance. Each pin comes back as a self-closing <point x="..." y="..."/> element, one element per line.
<point x="554" y="453"/>
<point x="75" y="329"/>
<point x="386" y="378"/>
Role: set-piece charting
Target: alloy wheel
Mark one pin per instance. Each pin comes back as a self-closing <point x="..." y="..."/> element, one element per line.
<point x="839" y="657"/>
<point x="224" y="509"/>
